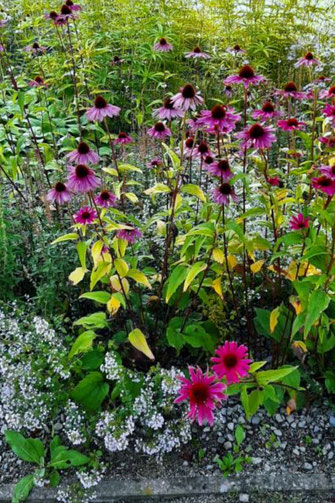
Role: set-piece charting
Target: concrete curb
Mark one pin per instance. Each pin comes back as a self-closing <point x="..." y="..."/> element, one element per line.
<point x="160" y="489"/>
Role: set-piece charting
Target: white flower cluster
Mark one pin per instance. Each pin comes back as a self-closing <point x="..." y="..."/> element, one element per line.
<point x="74" y="494"/>
<point x="112" y="367"/>
<point x="92" y="477"/>
<point x="115" y="431"/>
<point x="74" y="425"/>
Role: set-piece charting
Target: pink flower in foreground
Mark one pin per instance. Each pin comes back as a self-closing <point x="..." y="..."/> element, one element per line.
<point x="329" y="141"/>
<point x="290" y="90"/>
<point x="231" y="362"/>
<point x="168" y="111"/>
<point x="324" y="184"/>
<point x="187" y="98"/>
<point x="163" y="45"/>
<point x="299" y="222"/>
<point x="123" y="138"/>
<point x="328" y="93"/>
<point x="83" y="155"/>
<point x="329" y="111"/>
<point x="131" y="235"/>
<point x="267" y="112"/>
<point x="203" y="392"/>
<point x="37" y="82"/>
<point x="221" y="116"/>
<point x="307" y="60"/>
<point x="159" y="131"/>
<point x="59" y="194"/>
<point x="105" y="199"/>
<point x="82" y="178"/>
<point x="257" y="136"/>
<point x="85" y="216"/>
<point x="245" y="76"/>
<point x="223" y="193"/>
<point x="328" y="171"/>
<point x="101" y="109"/>
<point x="291" y="124"/>
<point x="197" y="53"/>
<point x="220" y="169"/>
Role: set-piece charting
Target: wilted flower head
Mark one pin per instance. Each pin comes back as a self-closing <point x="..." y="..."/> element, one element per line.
<point x="163" y="45"/>
<point x="307" y="60"/>
<point x="37" y="82"/>
<point x="59" y="194"/>
<point x="187" y="98"/>
<point x="299" y="222"/>
<point x="223" y="193"/>
<point x="197" y="53"/>
<point x="83" y="154"/>
<point x="159" y="131"/>
<point x="203" y="392"/>
<point x="168" y="111"/>
<point x="116" y="61"/>
<point x="324" y="184"/>
<point x="245" y="76"/>
<point x="231" y="362"/>
<point x="101" y="109"/>
<point x="131" y="235"/>
<point x="123" y="138"/>
<point x="105" y="199"/>
<point x="274" y="181"/>
<point x="257" y="136"/>
<point x="291" y="124"/>
<point x="85" y="216"/>
<point x="82" y="178"/>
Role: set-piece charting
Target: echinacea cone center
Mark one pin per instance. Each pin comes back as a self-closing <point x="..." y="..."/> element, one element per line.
<point x="246" y="72"/>
<point x="218" y="112"/>
<point x="230" y="360"/>
<point x="83" y="148"/>
<point x="199" y="393"/>
<point x="82" y="171"/>
<point x="256" y="131"/>
<point x="188" y="91"/>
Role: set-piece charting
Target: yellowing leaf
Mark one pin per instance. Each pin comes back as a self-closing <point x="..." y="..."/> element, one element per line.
<point x="98" y="273"/>
<point x="138" y="340"/>
<point x="121" y="266"/>
<point x="116" y="285"/>
<point x="66" y="237"/>
<point x="113" y="305"/>
<point x="139" y="277"/>
<point x="96" y="252"/>
<point x="131" y="196"/>
<point x="296" y="304"/>
<point x="257" y="266"/>
<point x="196" y="269"/>
<point x="218" y="255"/>
<point x="274" y="318"/>
<point x="232" y="261"/>
<point x="77" y="275"/>
<point x="217" y="287"/>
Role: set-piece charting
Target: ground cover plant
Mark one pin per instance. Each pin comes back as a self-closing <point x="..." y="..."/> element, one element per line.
<point x="167" y="225"/>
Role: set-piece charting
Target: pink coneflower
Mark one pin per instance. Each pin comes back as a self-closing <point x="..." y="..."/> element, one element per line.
<point x="245" y="76"/>
<point x="187" y="98"/>
<point x="328" y="171"/>
<point x="197" y="53"/>
<point x="163" y="45"/>
<point x="274" y="181"/>
<point x="325" y="184"/>
<point x="116" y="61"/>
<point x="202" y="150"/>
<point x="290" y="90"/>
<point x="154" y="163"/>
<point x="203" y="392"/>
<point x="85" y="216"/>
<point x="65" y="15"/>
<point x="329" y="141"/>
<point x="223" y="117"/>
<point x="123" y="138"/>
<point x="328" y="93"/>
<point x="101" y="109"/>
<point x="168" y="111"/>
<point x="236" y="50"/>
<point x="73" y="6"/>
<point x="329" y="111"/>
<point x="291" y="124"/>
<point x="53" y="15"/>
<point x="307" y="60"/>
<point x="59" y="194"/>
<point x="83" y="155"/>
<point x="82" y="178"/>
<point x="220" y="169"/>
<point x="265" y="113"/>
<point x="105" y="199"/>
<point x="131" y="235"/>
<point x="193" y="125"/>
<point x="223" y="193"/>
<point x="231" y="362"/>
<point x="299" y="222"/>
<point x="35" y="48"/>
<point x="189" y="146"/>
<point x="37" y="82"/>
<point x="257" y="136"/>
<point x="159" y="131"/>
<point x="208" y="160"/>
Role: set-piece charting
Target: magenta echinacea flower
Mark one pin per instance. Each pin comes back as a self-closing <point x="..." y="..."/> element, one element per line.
<point x="231" y="362"/>
<point x="131" y="235"/>
<point x="83" y="155"/>
<point x="101" y="109"/>
<point x="223" y="193"/>
<point x="307" y="60"/>
<point x="59" y="194"/>
<point x="123" y="138"/>
<point x="245" y="76"/>
<point x="154" y="163"/>
<point x="85" y="216"/>
<point x="329" y="111"/>
<point x="236" y="50"/>
<point x="105" y="199"/>
<point x="267" y="112"/>
<point x="203" y="392"/>
<point x="257" y="136"/>
<point x="299" y="222"/>
<point x="53" y="15"/>
<point x="189" y="146"/>
<point x="328" y="93"/>
<point x="221" y="116"/>
<point x="290" y="90"/>
<point x="291" y="124"/>
<point x="168" y="111"/>
<point x="325" y="184"/>
<point x="202" y="150"/>
<point x="64" y="16"/>
<point x="73" y="6"/>
<point x="187" y="98"/>
<point x="329" y="141"/>
<point x="37" y="82"/>
<point x="274" y="181"/>
<point x="197" y="53"/>
<point x="82" y="178"/>
<point x="163" y="45"/>
<point x="35" y="48"/>
<point x="159" y="131"/>
<point x="220" y="169"/>
<point x="328" y="171"/>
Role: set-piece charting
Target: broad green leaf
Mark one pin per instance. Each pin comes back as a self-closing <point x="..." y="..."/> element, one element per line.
<point x="83" y="343"/>
<point x="102" y="297"/>
<point x="101" y="271"/>
<point x="317" y="303"/>
<point x="267" y="376"/>
<point x="196" y="269"/>
<point x="239" y="434"/>
<point x="28" y="449"/>
<point x="23" y="488"/>
<point x="81" y="249"/>
<point x="138" y="340"/>
<point x="193" y="190"/>
<point x="95" y="320"/>
<point x="121" y="266"/>
<point x="139" y="277"/>
<point x="176" y="278"/>
<point x="91" y="391"/>
<point x="64" y="458"/>
<point x="67" y="237"/>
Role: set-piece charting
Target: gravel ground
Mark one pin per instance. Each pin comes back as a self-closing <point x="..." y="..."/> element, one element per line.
<point x="240" y="498"/>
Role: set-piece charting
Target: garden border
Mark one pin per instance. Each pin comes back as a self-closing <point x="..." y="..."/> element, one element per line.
<point x="160" y="489"/>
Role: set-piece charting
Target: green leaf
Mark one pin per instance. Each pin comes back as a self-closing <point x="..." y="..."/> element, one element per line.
<point x="81" y="249"/>
<point x="138" y="340"/>
<point x="196" y="336"/>
<point x="121" y="266"/>
<point x="67" y="237"/>
<point x="256" y="366"/>
<point x="91" y="391"/>
<point x="23" y="488"/>
<point x="54" y="479"/>
<point x="193" y="190"/>
<point x="63" y="458"/>
<point x="95" y="320"/>
<point x="239" y="434"/>
<point x="102" y="297"/>
<point x="268" y="376"/>
<point x="255" y="400"/>
<point x="173" y="156"/>
<point x="196" y="269"/>
<point x="28" y="449"/>
<point x="176" y="278"/>
<point x="83" y="343"/>
<point x="317" y="303"/>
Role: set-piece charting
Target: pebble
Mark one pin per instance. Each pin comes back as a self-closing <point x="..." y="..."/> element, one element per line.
<point x="279" y="418"/>
<point x="256" y="461"/>
<point x="308" y="466"/>
<point x="277" y="432"/>
<point x="228" y="445"/>
<point x="330" y="455"/>
<point x="244" y="498"/>
<point x="296" y="451"/>
<point x="221" y="440"/>
<point x="332" y="421"/>
<point x="255" y="420"/>
<point x="231" y="426"/>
